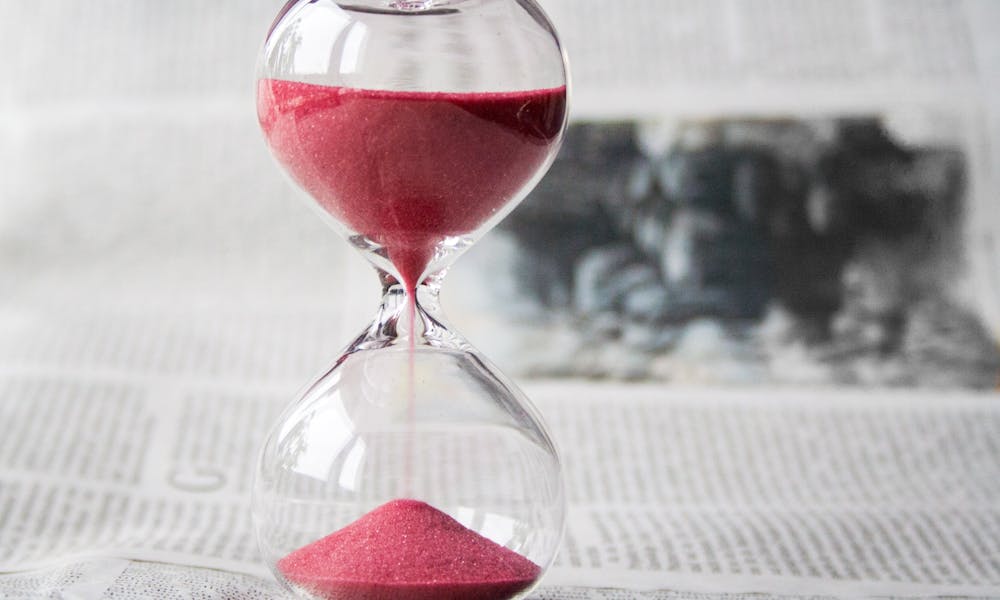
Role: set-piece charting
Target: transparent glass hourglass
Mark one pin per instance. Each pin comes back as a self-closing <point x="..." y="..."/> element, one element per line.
<point x="412" y="468"/>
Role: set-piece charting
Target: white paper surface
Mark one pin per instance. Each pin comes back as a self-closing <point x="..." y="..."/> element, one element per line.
<point x="156" y="313"/>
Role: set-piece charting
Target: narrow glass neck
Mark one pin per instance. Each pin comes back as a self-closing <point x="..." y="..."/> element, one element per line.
<point x="409" y="318"/>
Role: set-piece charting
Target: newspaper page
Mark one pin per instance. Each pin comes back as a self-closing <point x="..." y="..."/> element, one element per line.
<point x="816" y="175"/>
<point x="794" y="491"/>
<point x="790" y="492"/>
<point x="130" y="421"/>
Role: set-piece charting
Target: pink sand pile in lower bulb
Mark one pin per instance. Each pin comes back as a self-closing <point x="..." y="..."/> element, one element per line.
<point x="408" y="550"/>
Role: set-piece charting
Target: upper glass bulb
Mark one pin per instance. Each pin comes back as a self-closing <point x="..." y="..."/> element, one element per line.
<point x="416" y="125"/>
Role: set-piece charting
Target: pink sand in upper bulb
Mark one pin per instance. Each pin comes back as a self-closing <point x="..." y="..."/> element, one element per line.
<point x="408" y="550"/>
<point x="408" y="169"/>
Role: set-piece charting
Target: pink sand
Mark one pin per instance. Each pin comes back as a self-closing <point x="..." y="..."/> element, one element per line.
<point x="408" y="550"/>
<point x="407" y="169"/>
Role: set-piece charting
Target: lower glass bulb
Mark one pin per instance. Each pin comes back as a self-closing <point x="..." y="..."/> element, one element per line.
<point x="409" y="472"/>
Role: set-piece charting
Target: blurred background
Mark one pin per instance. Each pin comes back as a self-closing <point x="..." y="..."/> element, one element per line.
<point x="765" y="192"/>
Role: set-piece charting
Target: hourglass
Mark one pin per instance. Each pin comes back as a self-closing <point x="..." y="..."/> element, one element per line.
<point x="413" y="468"/>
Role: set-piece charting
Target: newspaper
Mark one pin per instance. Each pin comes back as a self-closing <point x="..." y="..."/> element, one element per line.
<point x="930" y="68"/>
<point x="132" y="398"/>
<point x="710" y="491"/>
